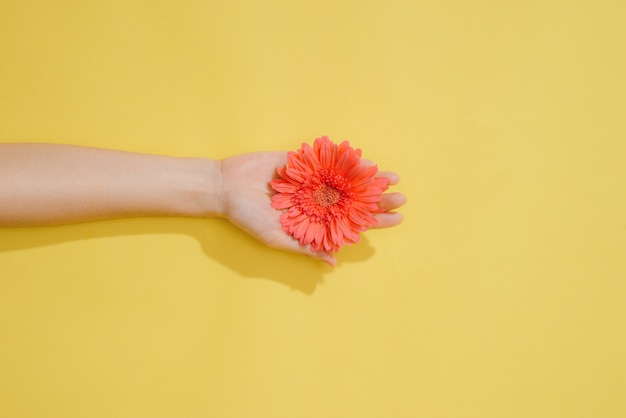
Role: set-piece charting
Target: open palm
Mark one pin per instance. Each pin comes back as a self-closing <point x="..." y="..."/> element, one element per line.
<point x="246" y="199"/>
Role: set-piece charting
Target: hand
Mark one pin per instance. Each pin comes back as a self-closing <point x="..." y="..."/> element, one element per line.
<point x="246" y="197"/>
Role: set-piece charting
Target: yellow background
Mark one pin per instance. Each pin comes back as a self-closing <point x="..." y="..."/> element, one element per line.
<point x="501" y="295"/>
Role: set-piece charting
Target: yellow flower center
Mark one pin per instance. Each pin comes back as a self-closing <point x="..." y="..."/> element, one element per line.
<point x="326" y="195"/>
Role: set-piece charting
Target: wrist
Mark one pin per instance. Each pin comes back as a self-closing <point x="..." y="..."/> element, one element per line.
<point x="208" y="188"/>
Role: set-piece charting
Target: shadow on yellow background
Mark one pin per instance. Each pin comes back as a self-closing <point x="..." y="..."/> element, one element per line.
<point x="217" y="238"/>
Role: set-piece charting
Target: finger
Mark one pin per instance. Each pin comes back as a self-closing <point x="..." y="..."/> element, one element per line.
<point x="386" y="220"/>
<point x="392" y="176"/>
<point x="327" y="258"/>
<point x="391" y="201"/>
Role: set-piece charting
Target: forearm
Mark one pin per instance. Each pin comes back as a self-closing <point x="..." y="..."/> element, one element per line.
<point x="45" y="184"/>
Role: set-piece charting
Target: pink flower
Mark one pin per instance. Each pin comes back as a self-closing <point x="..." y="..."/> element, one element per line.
<point x="328" y="196"/>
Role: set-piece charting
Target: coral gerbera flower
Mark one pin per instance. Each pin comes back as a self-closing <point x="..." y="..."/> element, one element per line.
<point x="328" y="195"/>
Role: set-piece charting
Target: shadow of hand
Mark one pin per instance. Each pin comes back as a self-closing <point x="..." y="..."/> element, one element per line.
<point x="219" y="240"/>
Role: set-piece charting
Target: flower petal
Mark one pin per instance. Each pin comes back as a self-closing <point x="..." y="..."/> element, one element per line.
<point x="356" y="218"/>
<point x="284" y="186"/>
<point x="335" y="232"/>
<point x="311" y="232"/>
<point x="281" y="201"/>
<point x="371" y="191"/>
<point x="310" y="157"/>
<point x="371" y="198"/>
<point x="352" y="236"/>
<point x="320" y="233"/>
<point x="295" y="174"/>
<point x="300" y="231"/>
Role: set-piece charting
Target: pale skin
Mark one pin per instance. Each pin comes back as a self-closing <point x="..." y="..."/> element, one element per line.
<point x="50" y="184"/>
